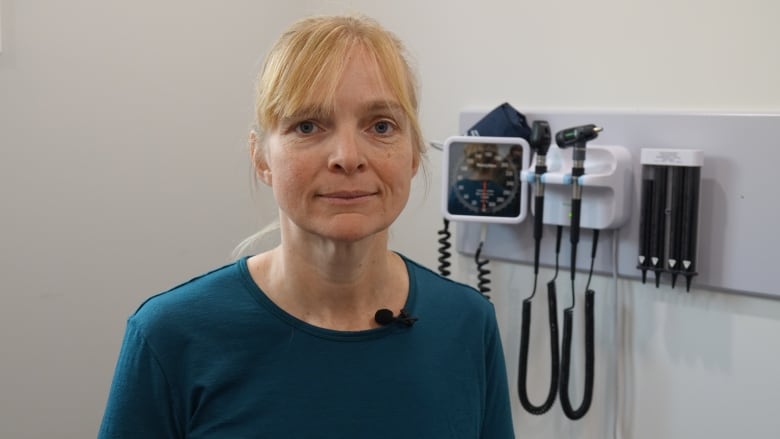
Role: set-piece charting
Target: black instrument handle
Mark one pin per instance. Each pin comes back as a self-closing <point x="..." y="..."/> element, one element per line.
<point x="538" y="225"/>
<point x="576" y="209"/>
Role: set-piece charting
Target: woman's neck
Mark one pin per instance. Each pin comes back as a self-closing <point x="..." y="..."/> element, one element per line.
<point x="336" y="285"/>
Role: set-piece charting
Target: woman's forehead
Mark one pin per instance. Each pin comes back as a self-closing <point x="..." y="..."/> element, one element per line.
<point x="321" y="96"/>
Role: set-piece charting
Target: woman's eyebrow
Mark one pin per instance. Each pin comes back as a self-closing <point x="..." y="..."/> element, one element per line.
<point x="370" y="107"/>
<point x="380" y="105"/>
<point x="313" y="111"/>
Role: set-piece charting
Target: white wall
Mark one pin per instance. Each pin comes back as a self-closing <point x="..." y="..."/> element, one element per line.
<point x="123" y="171"/>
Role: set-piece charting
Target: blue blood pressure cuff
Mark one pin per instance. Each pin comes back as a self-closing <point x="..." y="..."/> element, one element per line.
<point x="503" y="121"/>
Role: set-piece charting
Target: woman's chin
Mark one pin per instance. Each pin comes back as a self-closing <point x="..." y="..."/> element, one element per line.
<point x="353" y="228"/>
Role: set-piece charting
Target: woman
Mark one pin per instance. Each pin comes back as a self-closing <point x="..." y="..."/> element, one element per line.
<point x="289" y="343"/>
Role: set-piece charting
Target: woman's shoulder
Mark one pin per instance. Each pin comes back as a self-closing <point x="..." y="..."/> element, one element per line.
<point x="194" y="300"/>
<point x="433" y="286"/>
<point x="449" y="306"/>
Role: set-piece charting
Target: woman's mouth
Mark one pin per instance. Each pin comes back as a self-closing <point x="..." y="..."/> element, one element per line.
<point x="347" y="196"/>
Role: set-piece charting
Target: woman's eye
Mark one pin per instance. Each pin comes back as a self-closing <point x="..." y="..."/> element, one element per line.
<point x="306" y="127"/>
<point x="383" y="127"/>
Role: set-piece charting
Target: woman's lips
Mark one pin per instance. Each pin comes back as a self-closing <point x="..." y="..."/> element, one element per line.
<point x="347" y="195"/>
<point x="347" y="198"/>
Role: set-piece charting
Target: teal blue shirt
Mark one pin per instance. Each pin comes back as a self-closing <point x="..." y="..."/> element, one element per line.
<point x="215" y="358"/>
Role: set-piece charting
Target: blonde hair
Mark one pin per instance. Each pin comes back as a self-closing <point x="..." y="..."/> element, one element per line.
<point x="305" y="65"/>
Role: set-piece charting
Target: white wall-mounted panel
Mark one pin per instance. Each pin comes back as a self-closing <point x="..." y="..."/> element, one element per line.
<point x="739" y="201"/>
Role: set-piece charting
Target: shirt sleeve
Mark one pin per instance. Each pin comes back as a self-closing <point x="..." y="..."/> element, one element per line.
<point x="497" y="423"/>
<point x="140" y="402"/>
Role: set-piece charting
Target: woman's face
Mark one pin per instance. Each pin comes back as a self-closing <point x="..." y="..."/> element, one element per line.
<point x="344" y="174"/>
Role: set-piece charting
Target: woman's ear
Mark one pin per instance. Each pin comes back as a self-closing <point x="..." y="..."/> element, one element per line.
<point x="259" y="161"/>
<point x="417" y="157"/>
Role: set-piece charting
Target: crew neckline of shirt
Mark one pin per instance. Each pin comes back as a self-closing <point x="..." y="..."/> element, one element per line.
<point x="258" y="294"/>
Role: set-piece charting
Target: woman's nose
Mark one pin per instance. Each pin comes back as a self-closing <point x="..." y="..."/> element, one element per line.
<point x="347" y="155"/>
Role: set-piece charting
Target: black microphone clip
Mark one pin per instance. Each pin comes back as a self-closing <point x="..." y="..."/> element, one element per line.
<point x="385" y="316"/>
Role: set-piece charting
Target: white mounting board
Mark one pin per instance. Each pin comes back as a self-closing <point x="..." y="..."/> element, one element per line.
<point x="739" y="200"/>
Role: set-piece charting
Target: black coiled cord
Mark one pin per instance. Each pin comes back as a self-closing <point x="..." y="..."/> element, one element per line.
<point x="568" y="313"/>
<point x="552" y="310"/>
<point x="522" y="391"/>
<point x="571" y="412"/>
<point x="444" y="247"/>
<point x="482" y="272"/>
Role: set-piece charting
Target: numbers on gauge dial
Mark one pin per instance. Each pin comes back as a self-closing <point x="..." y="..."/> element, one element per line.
<point x="484" y="183"/>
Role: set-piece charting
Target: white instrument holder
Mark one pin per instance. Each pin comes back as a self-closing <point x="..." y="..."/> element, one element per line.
<point x="607" y="187"/>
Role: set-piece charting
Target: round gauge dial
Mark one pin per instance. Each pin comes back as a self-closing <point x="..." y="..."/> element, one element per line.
<point x="485" y="183"/>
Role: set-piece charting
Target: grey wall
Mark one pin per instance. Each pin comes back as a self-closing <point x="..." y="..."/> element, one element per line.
<point x="123" y="172"/>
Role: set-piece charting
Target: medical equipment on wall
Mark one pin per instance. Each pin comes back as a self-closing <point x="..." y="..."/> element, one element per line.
<point x="444" y="248"/>
<point x="477" y="200"/>
<point x="481" y="181"/>
<point x="569" y="191"/>
<point x="540" y="143"/>
<point x="502" y="121"/>
<point x="668" y="225"/>
<point x="577" y="138"/>
<point x="605" y="179"/>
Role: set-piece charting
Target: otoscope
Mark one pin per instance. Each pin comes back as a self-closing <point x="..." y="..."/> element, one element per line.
<point x="540" y="143"/>
<point x="577" y="137"/>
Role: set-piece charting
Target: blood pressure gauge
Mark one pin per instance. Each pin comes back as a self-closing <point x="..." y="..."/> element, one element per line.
<point x="482" y="179"/>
